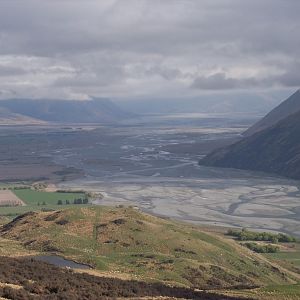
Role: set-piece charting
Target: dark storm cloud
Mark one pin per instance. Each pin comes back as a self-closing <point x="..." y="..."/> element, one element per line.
<point x="133" y="47"/>
<point x="219" y="81"/>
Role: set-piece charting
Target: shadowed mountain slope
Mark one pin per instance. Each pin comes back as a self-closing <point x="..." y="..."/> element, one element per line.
<point x="285" y="109"/>
<point x="274" y="150"/>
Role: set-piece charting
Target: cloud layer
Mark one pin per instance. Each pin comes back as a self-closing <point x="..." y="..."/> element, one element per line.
<point x="136" y="48"/>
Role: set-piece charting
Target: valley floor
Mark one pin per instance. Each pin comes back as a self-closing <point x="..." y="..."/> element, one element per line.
<point x="154" y="165"/>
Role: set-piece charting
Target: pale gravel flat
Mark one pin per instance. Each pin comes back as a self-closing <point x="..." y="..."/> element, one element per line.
<point x="257" y="203"/>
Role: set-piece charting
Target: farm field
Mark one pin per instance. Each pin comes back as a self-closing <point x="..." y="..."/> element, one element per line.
<point x="32" y="197"/>
<point x="8" y="198"/>
<point x="32" y="200"/>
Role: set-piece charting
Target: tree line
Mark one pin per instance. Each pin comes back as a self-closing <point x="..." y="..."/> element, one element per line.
<point x="75" y="201"/>
<point x="246" y="235"/>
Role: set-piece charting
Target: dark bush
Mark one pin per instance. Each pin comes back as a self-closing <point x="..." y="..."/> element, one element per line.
<point x="245" y="235"/>
<point x="119" y="221"/>
<point x="42" y="281"/>
<point x="261" y="248"/>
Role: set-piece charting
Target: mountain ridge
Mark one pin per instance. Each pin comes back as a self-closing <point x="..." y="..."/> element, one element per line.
<point x="97" y="110"/>
<point x="274" y="150"/>
<point x="286" y="108"/>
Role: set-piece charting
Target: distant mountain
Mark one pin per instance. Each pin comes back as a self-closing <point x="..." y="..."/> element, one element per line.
<point x="9" y="118"/>
<point x="275" y="150"/>
<point x="93" y="111"/>
<point x="242" y="102"/>
<point x="285" y="109"/>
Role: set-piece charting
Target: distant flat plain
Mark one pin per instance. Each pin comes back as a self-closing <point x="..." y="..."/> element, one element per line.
<point x="152" y="162"/>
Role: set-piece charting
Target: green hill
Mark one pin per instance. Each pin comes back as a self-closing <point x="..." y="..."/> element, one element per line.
<point x="126" y="241"/>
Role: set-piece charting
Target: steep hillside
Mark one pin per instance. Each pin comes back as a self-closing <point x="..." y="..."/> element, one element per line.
<point x="124" y="240"/>
<point x="274" y="150"/>
<point x="93" y="111"/>
<point x="285" y="109"/>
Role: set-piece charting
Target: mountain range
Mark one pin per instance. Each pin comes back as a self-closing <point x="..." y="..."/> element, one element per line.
<point x="273" y="146"/>
<point x="248" y="103"/>
<point x="29" y="111"/>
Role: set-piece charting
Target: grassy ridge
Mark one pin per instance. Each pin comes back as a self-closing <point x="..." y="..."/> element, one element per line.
<point x="145" y="247"/>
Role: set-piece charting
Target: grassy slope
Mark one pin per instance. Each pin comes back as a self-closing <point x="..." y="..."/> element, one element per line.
<point x="292" y="257"/>
<point x="13" y="248"/>
<point x="272" y="292"/>
<point x="288" y="257"/>
<point x="127" y="241"/>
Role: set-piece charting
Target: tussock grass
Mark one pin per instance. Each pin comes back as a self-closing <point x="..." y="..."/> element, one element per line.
<point x="127" y="241"/>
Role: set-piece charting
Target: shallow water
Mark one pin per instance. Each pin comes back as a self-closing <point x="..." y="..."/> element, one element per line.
<point x="153" y="163"/>
<point x="60" y="262"/>
<point x="156" y="168"/>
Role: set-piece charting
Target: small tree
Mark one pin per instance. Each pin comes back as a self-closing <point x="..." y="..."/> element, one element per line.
<point x="59" y="202"/>
<point x="67" y="202"/>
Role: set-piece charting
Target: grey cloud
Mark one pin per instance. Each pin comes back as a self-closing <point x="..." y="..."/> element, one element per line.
<point x="121" y="47"/>
<point x="11" y="71"/>
<point x="220" y="81"/>
<point x="291" y="77"/>
<point x="215" y="82"/>
<point x="7" y="93"/>
<point x="165" y="72"/>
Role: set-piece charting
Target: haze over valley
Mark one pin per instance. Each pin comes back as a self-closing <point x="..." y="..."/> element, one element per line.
<point x="153" y="164"/>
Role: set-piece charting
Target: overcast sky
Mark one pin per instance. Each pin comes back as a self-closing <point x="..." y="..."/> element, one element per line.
<point x="147" y="48"/>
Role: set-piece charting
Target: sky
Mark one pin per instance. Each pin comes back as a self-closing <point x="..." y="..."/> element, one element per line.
<point x="131" y="49"/>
